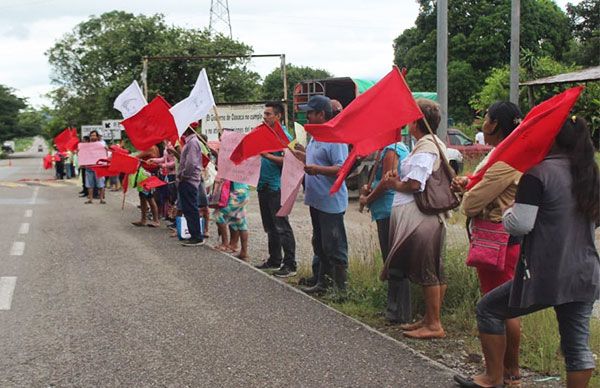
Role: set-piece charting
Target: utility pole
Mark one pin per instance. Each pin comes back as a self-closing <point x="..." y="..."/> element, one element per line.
<point x="515" y="29"/>
<point x="442" y="65"/>
<point x="219" y="18"/>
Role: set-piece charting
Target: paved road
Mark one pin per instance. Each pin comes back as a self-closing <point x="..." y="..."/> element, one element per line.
<point x="98" y="302"/>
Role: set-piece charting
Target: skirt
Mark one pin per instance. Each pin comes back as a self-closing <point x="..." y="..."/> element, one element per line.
<point x="416" y="245"/>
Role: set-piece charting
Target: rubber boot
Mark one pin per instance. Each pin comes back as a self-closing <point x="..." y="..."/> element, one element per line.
<point x="323" y="279"/>
<point x="340" y="276"/>
<point x="398" y="300"/>
<point x="311" y="281"/>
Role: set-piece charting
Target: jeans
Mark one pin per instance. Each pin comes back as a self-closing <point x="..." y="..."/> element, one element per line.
<point x="188" y="195"/>
<point x="573" y="324"/>
<point x="92" y="181"/>
<point x="329" y="239"/>
<point x="279" y="231"/>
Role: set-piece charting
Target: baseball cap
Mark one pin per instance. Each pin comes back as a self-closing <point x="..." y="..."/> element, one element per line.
<point x="317" y="103"/>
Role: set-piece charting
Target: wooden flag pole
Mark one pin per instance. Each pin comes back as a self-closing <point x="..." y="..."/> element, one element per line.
<point x="219" y="126"/>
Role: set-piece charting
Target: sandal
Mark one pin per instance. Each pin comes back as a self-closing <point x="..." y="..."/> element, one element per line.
<point x="469" y="383"/>
<point x="89" y="201"/>
<point x="243" y="258"/>
<point x="512" y="381"/>
<point x="138" y="223"/>
<point x="102" y="202"/>
<point x="222" y="248"/>
<point x="153" y="225"/>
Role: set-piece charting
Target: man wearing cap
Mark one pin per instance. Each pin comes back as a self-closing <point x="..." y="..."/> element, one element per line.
<point x="279" y="231"/>
<point x="323" y="161"/>
<point x="188" y="181"/>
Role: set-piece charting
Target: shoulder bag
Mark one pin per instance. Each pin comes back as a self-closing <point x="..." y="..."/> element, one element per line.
<point x="437" y="197"/>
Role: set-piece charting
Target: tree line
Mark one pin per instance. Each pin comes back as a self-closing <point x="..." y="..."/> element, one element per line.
<point x="93" y="63"/>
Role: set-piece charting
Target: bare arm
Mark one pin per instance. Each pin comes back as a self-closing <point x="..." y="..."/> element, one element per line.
<point x="278" y="160"/>
<point x="390" y="163"/>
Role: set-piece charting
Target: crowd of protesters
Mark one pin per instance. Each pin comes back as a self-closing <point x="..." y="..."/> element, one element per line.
<point x="550" y="213"/>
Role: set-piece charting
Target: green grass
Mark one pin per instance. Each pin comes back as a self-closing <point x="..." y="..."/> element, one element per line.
<point x="366" y="300"/>
<point x="23" y="144"/>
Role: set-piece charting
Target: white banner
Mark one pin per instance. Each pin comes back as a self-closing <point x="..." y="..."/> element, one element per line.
<point x="240" y="118"/>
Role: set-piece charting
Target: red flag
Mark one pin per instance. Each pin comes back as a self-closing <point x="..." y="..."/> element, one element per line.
<point x="151" y="183"/>
<point x="102" y="171"/>
<point x="65" y="141"/>
<point x="118" y="148"/>
<point x="123" y="163"/>
<point x="151" y="125"/>
<point x="48" y="162"/>
<point x="73" y="143"/>
<point x="530" y="142"/>
<point x="371" y="121"/>
<point x="261" y="139"/>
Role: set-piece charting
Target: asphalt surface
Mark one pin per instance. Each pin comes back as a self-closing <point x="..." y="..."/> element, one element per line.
<point x="99" y="302"/>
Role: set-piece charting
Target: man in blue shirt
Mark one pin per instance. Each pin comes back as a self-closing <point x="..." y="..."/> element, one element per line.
<point x="323" y="161"/>
<point x="278" y="229"/>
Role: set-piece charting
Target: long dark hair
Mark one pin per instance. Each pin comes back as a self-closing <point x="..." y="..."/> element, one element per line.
<point x="574" y="139"/>
<point x="506" y="115"/>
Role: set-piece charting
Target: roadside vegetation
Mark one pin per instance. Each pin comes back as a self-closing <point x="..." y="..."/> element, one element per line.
<point x="23" y="144"/>
<point x="366" y="301"/>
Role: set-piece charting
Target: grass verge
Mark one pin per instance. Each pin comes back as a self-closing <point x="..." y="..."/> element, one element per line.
<point x="366" y="300"/>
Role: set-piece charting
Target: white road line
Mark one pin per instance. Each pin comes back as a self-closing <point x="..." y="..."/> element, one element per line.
<point x="24" y="229"/>
<point x="17" y="248"/>
<point x="7" y="289"/>
<point x="36" y="190"/>
<point x="28" y="213"/>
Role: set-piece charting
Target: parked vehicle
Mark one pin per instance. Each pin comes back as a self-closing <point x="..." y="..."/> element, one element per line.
<point x="458" y="140"/>
<point x="8" y="146"/>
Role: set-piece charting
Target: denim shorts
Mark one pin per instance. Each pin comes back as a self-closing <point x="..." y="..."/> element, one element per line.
<point x="573" y="324"/>
<point x="91" y="180"/>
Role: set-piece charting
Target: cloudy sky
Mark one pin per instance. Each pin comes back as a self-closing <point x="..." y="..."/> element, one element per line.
<point x="347" y="37"/>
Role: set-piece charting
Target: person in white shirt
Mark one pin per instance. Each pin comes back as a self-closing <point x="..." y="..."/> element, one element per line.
<point x="479" y="137"/>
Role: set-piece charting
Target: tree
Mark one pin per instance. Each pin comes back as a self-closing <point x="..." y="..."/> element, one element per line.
<point x="479" y="41"/>
<point x="272" y="87"/>
<point x="103" y="55"/>
<point x="16" y="119"/>
<point x="496" y="86"/>
<point x="584" y="18"/>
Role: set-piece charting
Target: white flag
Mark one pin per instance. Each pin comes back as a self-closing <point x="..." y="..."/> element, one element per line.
<point x="130" y="101"/>
<point x="195" y="106"/>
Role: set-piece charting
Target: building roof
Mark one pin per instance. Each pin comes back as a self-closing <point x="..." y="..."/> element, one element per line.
<point x="589" y="74"/>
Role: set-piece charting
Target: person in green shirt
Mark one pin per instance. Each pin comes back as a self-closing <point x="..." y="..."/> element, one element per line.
<point x="279" y="231"/>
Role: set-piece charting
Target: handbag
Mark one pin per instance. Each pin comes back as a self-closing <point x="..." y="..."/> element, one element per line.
<point x="219" y="195"/>
<point x="489" y="241"/>
<point x="437" y="197"/>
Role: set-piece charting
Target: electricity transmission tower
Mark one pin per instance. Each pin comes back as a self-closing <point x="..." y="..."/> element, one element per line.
<point x="219" y="17"/>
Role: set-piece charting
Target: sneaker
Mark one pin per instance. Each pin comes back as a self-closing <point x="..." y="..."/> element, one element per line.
<point x="192" y="242"/>
<point x="267" y="265"/>
<point x="285" y="272"/>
